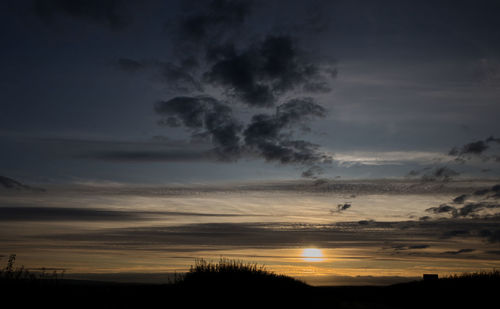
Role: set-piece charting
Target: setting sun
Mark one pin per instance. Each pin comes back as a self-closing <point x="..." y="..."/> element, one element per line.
<point x="312" y="255"/>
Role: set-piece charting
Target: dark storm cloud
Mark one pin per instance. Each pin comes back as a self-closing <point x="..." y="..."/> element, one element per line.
<point x="108" y="12"/>
<point x="261" y="70"/>
<point x="266" y="136"/>
<point x="261" y="73"/>
<point x="11" y="214"/>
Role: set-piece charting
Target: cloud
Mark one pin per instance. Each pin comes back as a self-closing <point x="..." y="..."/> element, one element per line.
<point x="108" y="12"/>
<point x="215" y="72"/>
<point x="262" y="72"/>
<point x="443" y="208"/>
<point x="460" y="199"/>
<point x="15" y="214"/>
<point x="482" y="202"/>
<point x="459" y="251"/>
<point x="440" y="173"/>
<point x="11" y="184"/>
<point x="477" y="149"/>
<point x="265" y="136"/>
<point x="492" y="235"/>
<point x="341" y="208"/>
<point x="409" y="247"/>
<point x="403" y="236"/>
<point x="205" y="116"/>
<point x="313" y="172"/>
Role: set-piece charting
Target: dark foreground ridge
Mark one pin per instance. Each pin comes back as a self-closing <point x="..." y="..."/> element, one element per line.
<point x="235" y="284"/>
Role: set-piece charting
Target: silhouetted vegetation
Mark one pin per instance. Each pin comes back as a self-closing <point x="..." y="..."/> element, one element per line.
<point x="234" y="274"/>
<point x="230" y="283"/>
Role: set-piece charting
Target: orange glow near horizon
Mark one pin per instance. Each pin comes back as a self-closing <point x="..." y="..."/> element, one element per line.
<point x="312" y="255"/>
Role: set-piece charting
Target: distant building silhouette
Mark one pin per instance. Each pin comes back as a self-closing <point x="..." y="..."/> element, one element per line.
<point x="430" y="277"/>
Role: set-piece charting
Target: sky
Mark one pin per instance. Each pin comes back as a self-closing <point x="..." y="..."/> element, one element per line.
<point x="137" y="136"/>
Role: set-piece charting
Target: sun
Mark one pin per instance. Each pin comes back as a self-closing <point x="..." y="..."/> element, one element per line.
<point x="312" y="255"/>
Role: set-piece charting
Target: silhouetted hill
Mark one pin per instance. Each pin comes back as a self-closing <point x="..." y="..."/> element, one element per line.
<point x="232" y="285"/>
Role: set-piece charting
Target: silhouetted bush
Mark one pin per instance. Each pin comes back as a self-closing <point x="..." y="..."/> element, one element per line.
<point x="235" y="274"/>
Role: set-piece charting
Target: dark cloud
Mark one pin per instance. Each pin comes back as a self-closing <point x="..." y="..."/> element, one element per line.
<point x="266" y="134"/>
<point x="11" y="184"/>
<point x="476" y="149"/>
<point x="265" y="70"/>
<point x="459" y="251"/>
<point x="341" y="207"/>
<point x="205" y="116"/>
<point x="492" y="235"/>
<point x="440" y="173"/>
<point x="481" y="192"/>
<point x="62" y="214"/>
<point x="409" y="247"/>
<point x="460" y="199"/>
<point x="313" y="172"/>
<point x="492" y="139"/>
<point x="443" y="208"/>
<point x="470" y="209"/>
<point x="8" y="214"/>
<point x="480" y="200"/>
<point x="107" y="12"/>
<point x="494" y="191"/>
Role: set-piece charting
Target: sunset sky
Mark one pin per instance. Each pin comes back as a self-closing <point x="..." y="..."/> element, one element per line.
<point x="341" y="142"/>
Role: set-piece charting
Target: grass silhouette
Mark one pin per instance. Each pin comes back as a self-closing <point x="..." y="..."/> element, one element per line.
<point x="235" y="274"/>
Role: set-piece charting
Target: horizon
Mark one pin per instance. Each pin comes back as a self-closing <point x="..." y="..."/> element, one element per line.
<point x="339" y="142"/>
